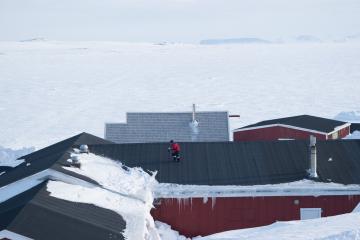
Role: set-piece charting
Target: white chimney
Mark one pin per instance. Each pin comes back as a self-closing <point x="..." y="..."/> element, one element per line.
<point x="313" y="160"/>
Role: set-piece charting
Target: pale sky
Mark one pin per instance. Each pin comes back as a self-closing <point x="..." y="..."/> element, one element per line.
<point x="176" y="20"/>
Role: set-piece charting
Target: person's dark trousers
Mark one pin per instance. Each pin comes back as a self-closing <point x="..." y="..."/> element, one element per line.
<point x="176" y="156"/>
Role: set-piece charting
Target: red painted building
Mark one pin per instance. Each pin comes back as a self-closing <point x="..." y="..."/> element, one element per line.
<point x="201" y="216"/>
<point x="297" y="127"/>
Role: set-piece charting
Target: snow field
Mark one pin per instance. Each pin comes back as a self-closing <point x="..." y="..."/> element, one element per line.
<point x="52" y="90"/>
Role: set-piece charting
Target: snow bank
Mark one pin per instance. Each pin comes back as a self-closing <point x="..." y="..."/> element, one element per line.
<point x="8" y="156"/>
<point x="166" y="233"/>
<point x="127" y="191"/>
<point x="299" y="188"/>
<point x="351" y="116"/>
<point x="354" y="135"/>
<point x="344" y="227"/>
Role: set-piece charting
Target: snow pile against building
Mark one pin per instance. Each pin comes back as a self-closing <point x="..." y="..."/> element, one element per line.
<point x="126" y="191"/>
<point x="344" y="227"/>
<point x="166" y="233"/>
<point x="353" y="135"/>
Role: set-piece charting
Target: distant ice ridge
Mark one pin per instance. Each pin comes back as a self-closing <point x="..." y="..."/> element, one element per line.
<point x="8" y="156"/>
<point x="244" y="40"/>
<point x="344" y="227"/>
<point x="127" y="191"/>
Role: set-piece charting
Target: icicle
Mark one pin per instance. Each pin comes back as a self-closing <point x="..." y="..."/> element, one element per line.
<point x="205" y="200"/>
<point x="213" y="202"/>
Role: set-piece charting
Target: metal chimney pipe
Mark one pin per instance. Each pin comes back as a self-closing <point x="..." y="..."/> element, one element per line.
<point x="193" y="113"/>
<point x="313" y="159"/>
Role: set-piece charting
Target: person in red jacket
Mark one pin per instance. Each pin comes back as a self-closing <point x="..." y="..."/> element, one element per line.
<point x="175" y="150"/>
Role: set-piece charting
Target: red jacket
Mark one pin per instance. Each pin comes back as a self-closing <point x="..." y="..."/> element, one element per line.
<point x="175" y="147"/>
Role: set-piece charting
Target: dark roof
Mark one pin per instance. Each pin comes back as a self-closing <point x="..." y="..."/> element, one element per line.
<point x="302" y="121"/>
<point x="53" y="156"/>
<point x="241" y="163"/>
<point x="354" y="127"/>
<point x="37" y="215"/>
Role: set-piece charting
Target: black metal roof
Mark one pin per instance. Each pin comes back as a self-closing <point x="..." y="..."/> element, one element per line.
<point x="302" y="121"/>
<point x="209" y="163"/>
<point x="241" y="163"/>
<point x="37" y="215"/>
<point x="53" y="156"/>
<point x="354" y="127"/>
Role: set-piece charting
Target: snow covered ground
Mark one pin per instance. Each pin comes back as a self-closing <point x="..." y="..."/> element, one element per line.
<point x="52" y="90"/>
<point x="341" y="227"/>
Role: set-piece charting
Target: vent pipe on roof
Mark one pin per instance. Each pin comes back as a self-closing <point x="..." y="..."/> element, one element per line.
<point x="194" y="126"/>
<point x="84" y="148"/>
<point x="313" y="159"/>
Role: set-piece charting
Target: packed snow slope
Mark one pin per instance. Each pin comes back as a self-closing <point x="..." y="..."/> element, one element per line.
<point x="127" y="191"/>
<point x="341" y="227"/>
<point x="52" y="90"/>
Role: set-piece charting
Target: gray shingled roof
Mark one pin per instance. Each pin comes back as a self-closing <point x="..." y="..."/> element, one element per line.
<point x="302" y="121"/>
<point x="162" y="127"/>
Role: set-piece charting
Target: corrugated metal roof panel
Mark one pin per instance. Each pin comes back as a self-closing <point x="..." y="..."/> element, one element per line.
<point x="240" y="163"/>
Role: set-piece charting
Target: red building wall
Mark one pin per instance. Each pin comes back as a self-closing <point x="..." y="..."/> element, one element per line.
<point x="274" y="133"/>
<point x="196" y="216"/>
<point x="341" y="133"/>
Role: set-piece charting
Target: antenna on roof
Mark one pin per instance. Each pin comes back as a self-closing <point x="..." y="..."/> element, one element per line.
<point x="193" y="112"/>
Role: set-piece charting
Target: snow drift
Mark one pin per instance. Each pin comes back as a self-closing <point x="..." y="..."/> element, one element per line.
<point x="127" y="191"/>
<point x="344" y="227"/>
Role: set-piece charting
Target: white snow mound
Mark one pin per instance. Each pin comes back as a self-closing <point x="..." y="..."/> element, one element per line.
<point x="127" y="191"/>
<point x="166" y="233"/>
<point x="341" y="227"/>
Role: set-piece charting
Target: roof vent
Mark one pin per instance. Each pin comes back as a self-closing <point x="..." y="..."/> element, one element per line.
<point x="313" y="159"/>
<point x="84" y="148"/>
<point x="75" y="161"/>
<point x="194" y="126"/>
